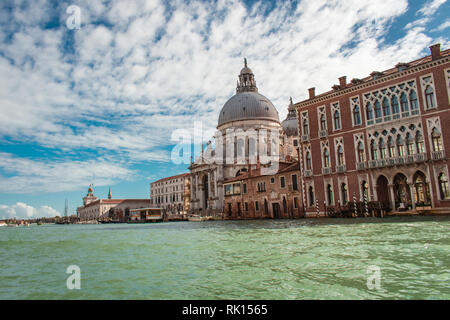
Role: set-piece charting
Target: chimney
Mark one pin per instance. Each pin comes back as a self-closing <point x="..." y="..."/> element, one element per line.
<point x="435" y="51"/>
<point x="342" y="81"/>
<point x="312" y="92"/>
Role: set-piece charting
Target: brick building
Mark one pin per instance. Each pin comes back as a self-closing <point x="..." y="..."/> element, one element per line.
<point x="251" y="195"/>
<point x="172" y="193"/>
<point x="382" y="137"/>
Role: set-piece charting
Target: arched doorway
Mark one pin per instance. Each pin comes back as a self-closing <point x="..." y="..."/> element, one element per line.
<point x="421" y="189"/>
<point x="402" y="193"/>
<point x="383" y="190"/>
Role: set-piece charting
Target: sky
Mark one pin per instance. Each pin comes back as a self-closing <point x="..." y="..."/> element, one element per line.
<point x="93" y="94"/>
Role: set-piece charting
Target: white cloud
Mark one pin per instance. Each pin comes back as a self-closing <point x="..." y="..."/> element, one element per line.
<point x="22" y="210"/>
<point x="431" y="7"/>
<point x="27" y="176"/>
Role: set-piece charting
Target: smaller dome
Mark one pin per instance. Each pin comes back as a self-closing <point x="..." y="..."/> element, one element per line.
<point x="290" y="124"/>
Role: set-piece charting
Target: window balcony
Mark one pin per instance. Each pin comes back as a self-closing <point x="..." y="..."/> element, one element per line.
<point x="323" y="134"/>
<point x="372" y="163"/>
<point x="420" y="157"/>
<point x="326" y="170"/>
<point x="381" y="163"/>
<point x="409" y="159"/>
<point x="390" y="162"/>
<point x="308" y="173"/>
<point x="305" y="137"/>
<point x="361" y="165"/>
<point x="341" y="169"/>
<point x="400" y="160"/>
<point x="438" y="155"/>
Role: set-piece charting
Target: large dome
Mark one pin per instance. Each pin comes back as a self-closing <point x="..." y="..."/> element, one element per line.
<point x="248" y="106"/>
<point x="247" y="103"/>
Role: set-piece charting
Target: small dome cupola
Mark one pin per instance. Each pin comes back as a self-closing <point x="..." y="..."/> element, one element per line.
<point x="290" y="125"/>
<point x="246" y="82"/>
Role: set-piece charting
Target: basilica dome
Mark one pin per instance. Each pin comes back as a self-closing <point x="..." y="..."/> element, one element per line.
<point x="290" y="125"/>
<point x="247" y="103"/>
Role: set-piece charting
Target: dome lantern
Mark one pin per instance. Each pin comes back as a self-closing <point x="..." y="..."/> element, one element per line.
<point x="246" y="82"/>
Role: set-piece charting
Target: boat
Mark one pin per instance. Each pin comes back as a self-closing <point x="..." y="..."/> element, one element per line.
<point x="3" y="224"/>
<point x="197" y="218"/>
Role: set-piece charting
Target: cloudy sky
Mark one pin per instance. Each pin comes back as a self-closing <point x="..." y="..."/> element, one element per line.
<point x="98" y="104"/>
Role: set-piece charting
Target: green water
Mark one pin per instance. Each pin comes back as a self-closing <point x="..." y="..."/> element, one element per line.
<point x="271" y="259"/>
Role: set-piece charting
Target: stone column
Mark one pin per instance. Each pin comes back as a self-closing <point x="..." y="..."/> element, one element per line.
<point x="215" y="183"/>
<point x="392" y="196"/>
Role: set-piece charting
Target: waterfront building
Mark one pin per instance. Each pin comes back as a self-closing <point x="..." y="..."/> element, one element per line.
<point x="95" y="208"/>
<point x="248" y="127"/>
<point x="172" y="193"/>
<point x="382" y="138"/>
<point x="255" y="196"/>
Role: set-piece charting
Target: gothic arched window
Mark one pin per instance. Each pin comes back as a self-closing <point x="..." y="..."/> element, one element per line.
<point x="409" y="144"/>
<point x="323" y="122"/>
<point x="413" y="100"/>
<point x="330" y="195"/>
<point x="404" y="102"/>
<point x="436" y="138"/>
<point x="305" y="126"/>
<point x="394" y="102"/>
<point x="344" y="191"/>
<point x="419" y="142"/>
<point x="382" y="146"/>
<point x="361" y="156"/>
<point x="340" y="156"/>
<point x="400" y="146"/>
<point x="311" y="196"/>
<point x="373" y="150"/>
<point x="369" y="111"/>
<point x="391" y="147"/>
<point x="356" y="116"/>
<point x="326" y="158"/>
<point x="377" y="109"/>
<point x="386" y="108"/>
<point x="429" y="97"/>
<point x="308" y="161"/>
<point x="337" y="120"/>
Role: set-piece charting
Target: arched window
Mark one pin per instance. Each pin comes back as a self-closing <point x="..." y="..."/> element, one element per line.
<point x="369" y="111"/>
<point x="394" y="102"/>
<point x="419" y="142"/>
<point x="308" y="161"/>
<point x="330" y="195"/>
<point x="326" y="158"/>
<point x="373" y="150"/>
<point x="323" y="122"/>
<point x="409" y="144"/>
<point x="344" y="192"/>
<point x="340" y="154"/>
<point x="284" y="205"/>
<point x="404" y="102"/>
<point x="400" y="146"/>
<point x="436" y="138"/>
<point x="391" y="147"/>
<point x="386" y="108"/>
<point x="443" y="187"/>
<point x="305" y="126"/>
<point x="361" y="156"/>
<point x="413" y="100"/>
<point x="337" y="120"/>
<point x="383" y="151"/>
<point x="377" y="109"/>
<point x="429" y="97"/>
<point x="311" y="196"/>
<point x="356" y="116"/>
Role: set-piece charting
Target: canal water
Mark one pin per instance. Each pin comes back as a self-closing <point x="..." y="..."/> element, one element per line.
<point x="404" y="258"/>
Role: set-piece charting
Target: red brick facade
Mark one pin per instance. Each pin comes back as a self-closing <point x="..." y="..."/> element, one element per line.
<point x="383" y="137"/>
<point x="255" y="196"/>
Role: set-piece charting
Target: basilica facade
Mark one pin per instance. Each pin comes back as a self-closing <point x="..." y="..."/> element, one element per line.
<point x="249" y="137"/>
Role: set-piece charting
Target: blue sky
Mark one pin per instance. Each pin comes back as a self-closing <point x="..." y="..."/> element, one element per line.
<point x="99" y="104"/>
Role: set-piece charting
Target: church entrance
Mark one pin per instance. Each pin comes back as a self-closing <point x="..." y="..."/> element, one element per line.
<point x="402" y="193"/>
<point x="383" y="190"/>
